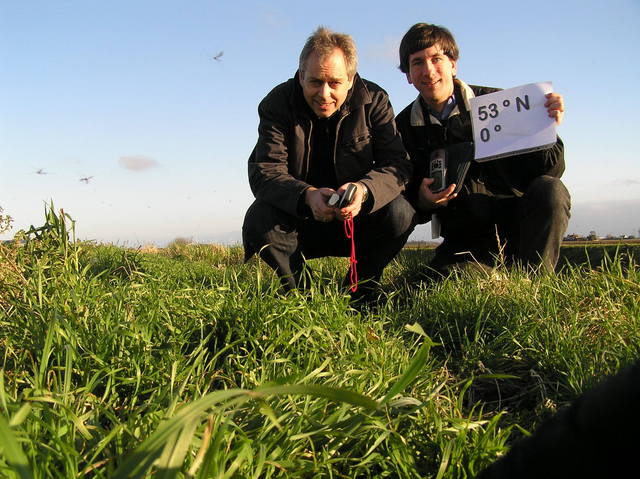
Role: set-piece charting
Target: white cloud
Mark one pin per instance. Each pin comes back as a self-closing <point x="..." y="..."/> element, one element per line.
<point x="626" y="182"/>
<point x="137" y="163"/>
<point x="386" y="50"/>
<point x="606" y="217"/>
<point x="274" y="19"/>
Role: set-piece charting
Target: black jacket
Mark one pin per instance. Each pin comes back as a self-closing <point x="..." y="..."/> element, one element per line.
<point x="505" y="177"/>
<point x="368" y="147"/>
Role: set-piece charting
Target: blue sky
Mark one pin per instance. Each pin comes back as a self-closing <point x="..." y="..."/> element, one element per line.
<point x="129" y="94"/>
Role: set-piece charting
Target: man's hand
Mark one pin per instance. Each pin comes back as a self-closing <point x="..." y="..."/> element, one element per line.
<point x="316" y="199"/>
<point x="356" y="205"/>
<point x="555" y="106"/>
<point x="427" y="200"/>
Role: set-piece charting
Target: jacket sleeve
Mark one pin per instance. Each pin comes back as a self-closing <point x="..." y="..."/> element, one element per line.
<point x="548" y="162"/>
<point x="270" y="177"/>
<point x="418" y="157"/>
<point x="518" y="172"/>
<point x="392" y="168"/>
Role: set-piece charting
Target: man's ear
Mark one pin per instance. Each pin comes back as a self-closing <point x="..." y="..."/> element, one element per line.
<point x="300" y="77"/>
<point x="409" y="79"/>
<point x="453" y="67"/>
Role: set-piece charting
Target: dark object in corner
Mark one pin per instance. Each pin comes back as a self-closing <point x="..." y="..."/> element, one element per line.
<point x="595" y="437"/>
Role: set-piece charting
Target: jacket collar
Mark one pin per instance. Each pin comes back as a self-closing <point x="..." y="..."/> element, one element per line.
<point x="463" y="92"/>
<point x="358" y="96"/>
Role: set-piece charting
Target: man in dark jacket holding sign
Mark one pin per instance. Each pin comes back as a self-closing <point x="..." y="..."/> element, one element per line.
<point x="516" y="205"/>
<point x="320" y="132"/>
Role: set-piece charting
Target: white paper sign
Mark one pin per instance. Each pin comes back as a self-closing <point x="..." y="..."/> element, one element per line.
<point x="512" y="121"/>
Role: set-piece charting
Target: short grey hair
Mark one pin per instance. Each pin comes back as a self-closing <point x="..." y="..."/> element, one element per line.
<point x="323" y="41"/>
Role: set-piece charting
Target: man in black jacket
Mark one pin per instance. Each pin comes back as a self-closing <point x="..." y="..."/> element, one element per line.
<point x="319" y="132"/>
<point x="515" y="206"/>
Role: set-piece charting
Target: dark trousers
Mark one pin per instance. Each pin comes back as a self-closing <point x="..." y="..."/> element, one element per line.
<point x="527" y="230"/>
<point x="284" y="241"/>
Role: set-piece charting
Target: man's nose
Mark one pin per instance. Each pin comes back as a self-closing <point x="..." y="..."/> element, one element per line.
<point x="429" y="68"/>
<point x="325" y="90"/>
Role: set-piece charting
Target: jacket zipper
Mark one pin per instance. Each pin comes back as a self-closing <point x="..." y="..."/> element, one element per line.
<point x="335" y="144"/>
<point x="308" y="155"/>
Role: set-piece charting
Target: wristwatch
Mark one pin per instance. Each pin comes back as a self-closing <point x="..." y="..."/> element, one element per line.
<point x="365" y="191"/>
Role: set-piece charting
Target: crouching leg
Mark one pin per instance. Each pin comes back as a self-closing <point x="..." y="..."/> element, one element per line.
<point x="273" y="234"/>
<point x="379" y="237"/>
<point x="544" y="215"/>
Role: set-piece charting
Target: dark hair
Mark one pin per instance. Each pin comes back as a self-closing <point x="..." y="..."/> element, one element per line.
<point x="323" y="41"/>
<point x="425" y="35"/>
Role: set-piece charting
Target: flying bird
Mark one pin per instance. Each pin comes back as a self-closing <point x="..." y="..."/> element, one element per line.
<point x="86" y="179"/>
<point x="218" y="57"/>
<point x="40" y="171"/>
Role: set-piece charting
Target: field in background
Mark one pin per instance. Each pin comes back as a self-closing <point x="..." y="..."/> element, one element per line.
<point x="189" y="363"/>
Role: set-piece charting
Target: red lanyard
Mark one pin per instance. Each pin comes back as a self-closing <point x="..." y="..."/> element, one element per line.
<point x="353" y="273"/>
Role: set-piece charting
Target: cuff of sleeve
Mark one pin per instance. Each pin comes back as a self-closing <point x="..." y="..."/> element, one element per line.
<point x="303" y="209"/>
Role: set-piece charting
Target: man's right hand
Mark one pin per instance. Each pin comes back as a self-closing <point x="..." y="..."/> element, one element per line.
<point x="316" y="199"/>
<point x="427" y="200"/>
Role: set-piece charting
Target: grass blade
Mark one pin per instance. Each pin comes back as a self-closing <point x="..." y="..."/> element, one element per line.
<point x="13" y="452"/>
<point x="417" y="364"/>
<point x="142" y="459"/>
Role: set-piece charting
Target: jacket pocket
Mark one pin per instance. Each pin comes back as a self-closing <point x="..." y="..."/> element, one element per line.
<point x="358" y="142"/>
<point x="356" y="153"/>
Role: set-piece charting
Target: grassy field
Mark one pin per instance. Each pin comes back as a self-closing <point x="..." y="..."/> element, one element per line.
<point x="187" y="363"/>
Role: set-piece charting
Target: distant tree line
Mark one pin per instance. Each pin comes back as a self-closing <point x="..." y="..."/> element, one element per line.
<point x="593" y="236"/>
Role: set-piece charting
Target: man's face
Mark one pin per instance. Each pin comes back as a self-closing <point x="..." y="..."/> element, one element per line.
<point x="431" y="72"/>
<point x="325" y="83"/>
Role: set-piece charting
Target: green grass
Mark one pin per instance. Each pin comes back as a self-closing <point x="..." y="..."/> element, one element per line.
<point x="188" y="363"/>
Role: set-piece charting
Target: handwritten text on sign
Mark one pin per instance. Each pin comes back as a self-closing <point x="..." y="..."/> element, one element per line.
<point x="512" y="121"/>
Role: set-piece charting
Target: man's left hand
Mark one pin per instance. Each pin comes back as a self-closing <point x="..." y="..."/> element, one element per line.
<point x="555" y="106"/>
<point x="356" y="205"/>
